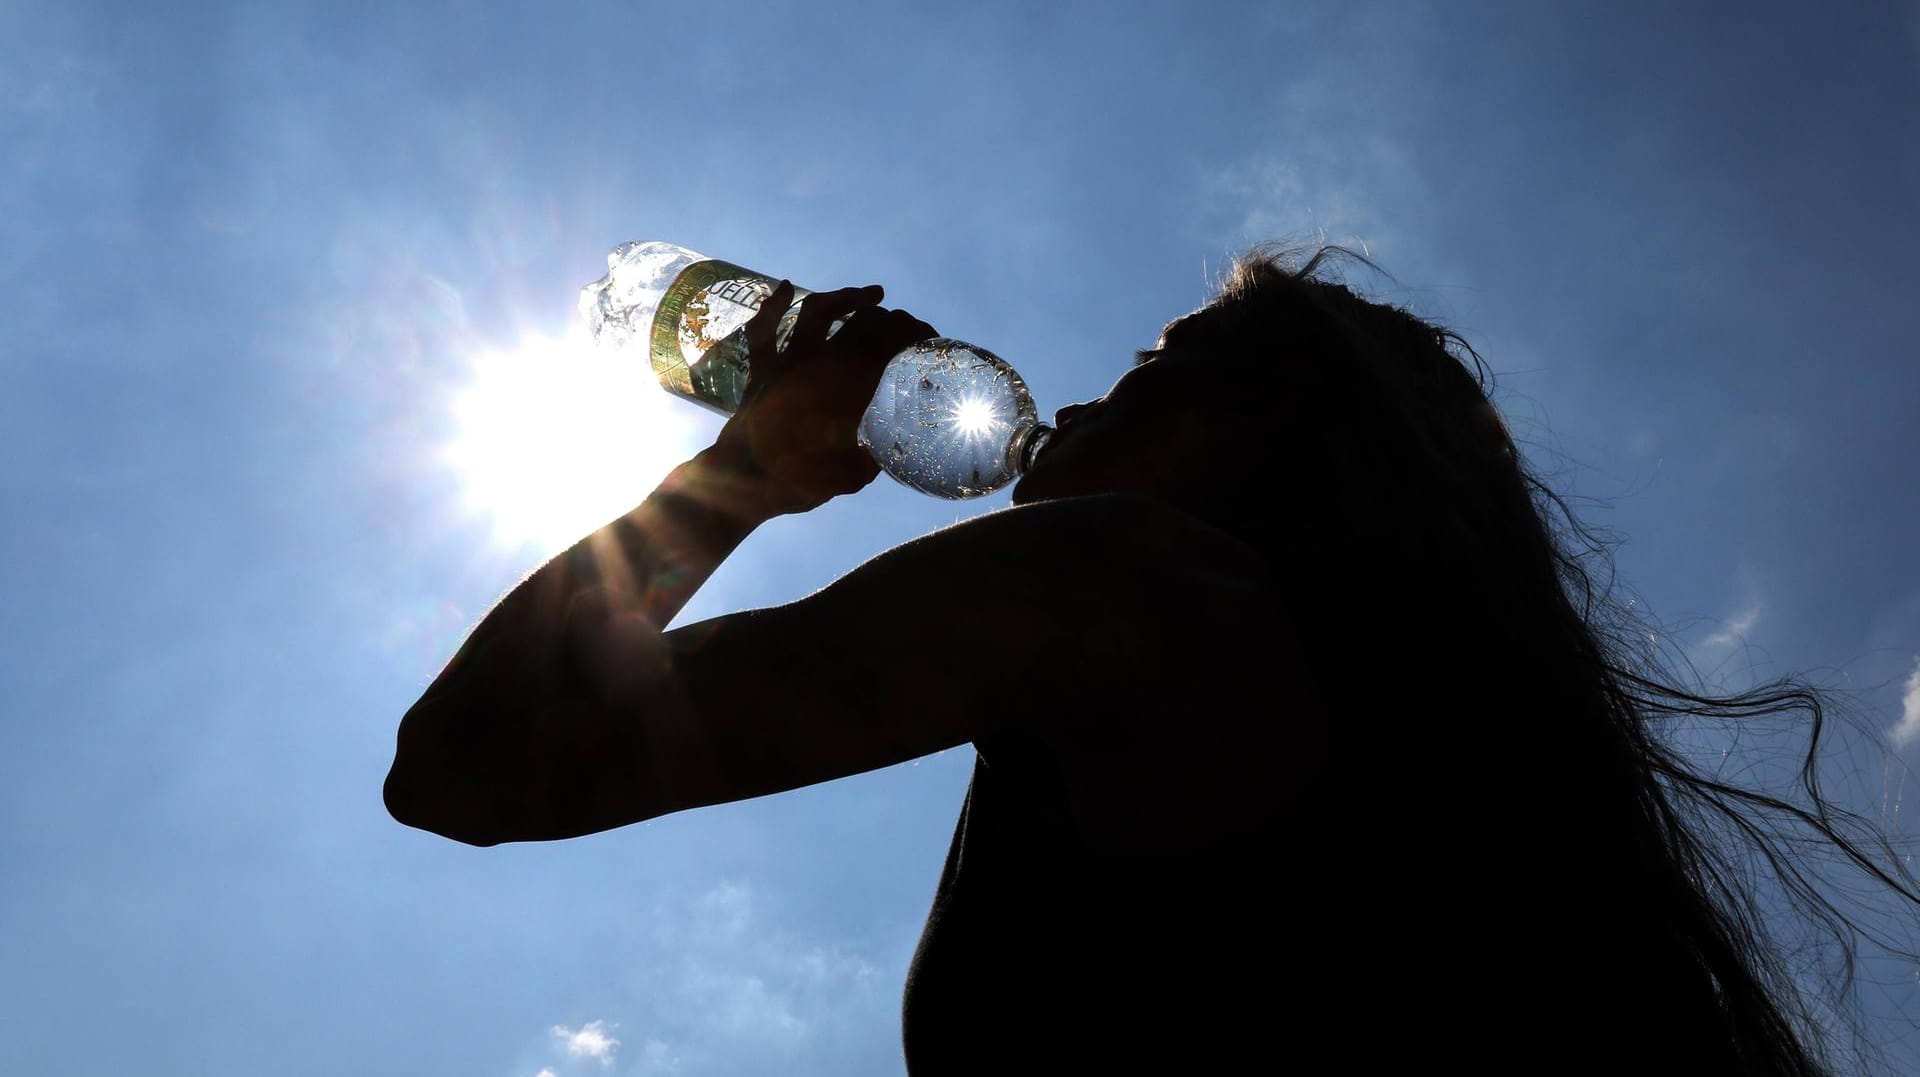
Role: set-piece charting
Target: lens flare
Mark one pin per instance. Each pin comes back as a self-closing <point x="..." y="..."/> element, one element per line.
<point x="975" y="417"/>
<point x="554" y="438"/>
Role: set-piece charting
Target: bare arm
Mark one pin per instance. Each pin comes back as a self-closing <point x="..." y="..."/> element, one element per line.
<point x="512" y="739"/>
<point x="1038" y="617"/>
<point x="569" y="710"/>
<point x="521" y="700"/>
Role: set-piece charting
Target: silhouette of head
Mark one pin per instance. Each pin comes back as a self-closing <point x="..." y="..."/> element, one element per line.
<point x="1290" y="399"/>
<point x="1458" y="624"/>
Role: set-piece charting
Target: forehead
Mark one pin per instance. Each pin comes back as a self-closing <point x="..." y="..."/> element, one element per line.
<point x="1188" y="330"/>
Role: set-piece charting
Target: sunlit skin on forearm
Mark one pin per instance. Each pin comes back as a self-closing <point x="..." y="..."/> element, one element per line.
<point x="530" y="731"/>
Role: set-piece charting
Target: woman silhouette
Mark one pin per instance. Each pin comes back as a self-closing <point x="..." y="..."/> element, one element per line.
<point x="1306" y="740"/>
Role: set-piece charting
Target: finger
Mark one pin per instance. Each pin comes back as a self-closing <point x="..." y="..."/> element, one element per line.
<point x="765" y="322"/>
<point x="820" y="309"/>
<point x="915" y="328"/>
<point x="883" y="331"/>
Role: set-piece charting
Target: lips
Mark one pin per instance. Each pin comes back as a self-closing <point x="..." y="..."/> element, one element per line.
<point x="1050" y="447"/>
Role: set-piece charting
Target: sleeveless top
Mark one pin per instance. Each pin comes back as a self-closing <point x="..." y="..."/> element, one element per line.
<point x="1295" y="946"/>
<point x="1041" y="954"/>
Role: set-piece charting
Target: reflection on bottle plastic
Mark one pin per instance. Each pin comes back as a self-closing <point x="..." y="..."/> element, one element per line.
<point x="948" y="419"/>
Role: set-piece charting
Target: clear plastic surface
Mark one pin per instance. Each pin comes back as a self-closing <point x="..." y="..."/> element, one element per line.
<point x="948" y="419"/>
<point x="619" y="307"/>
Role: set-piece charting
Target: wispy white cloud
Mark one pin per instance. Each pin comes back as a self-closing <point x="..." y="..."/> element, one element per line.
<point x="588" y="1041"/>
<point x="545" y="1072"/>
<point x="723" y="985"/>
<point x="756" y="994"/>
<point x="752" y="984"/>
<point x="656" y="1060"/>
<point x="1908" y="728"/>
<point x="1284" y="197"/>
<point x="1728" y="659"/>
<point x="724" y="912"/>
<point x="1735" y="631"/>
<point x="1339" y="175"/>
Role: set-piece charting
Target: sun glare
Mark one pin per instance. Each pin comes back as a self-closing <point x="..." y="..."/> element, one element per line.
<point x="555" y="438"/>
<point x="974" y="417"/>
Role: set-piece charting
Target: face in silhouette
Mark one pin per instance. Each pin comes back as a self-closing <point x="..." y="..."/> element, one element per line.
<point x="1152" y="432"/>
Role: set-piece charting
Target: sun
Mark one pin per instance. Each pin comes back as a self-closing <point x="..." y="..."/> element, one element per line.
<point x="975" y="417"/>
<point x="556" y="437"/>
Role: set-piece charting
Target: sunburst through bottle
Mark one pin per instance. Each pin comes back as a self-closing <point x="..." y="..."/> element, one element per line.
<point x="948" y="418"/>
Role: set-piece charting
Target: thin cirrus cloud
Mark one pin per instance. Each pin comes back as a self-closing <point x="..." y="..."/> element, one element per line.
<point x="744" y="979"/>
<point x="1275" y="197"/>
<point x="726" y="987"/>
<point x="731" y="988"/>
<point x="1736" y="630"/>
<point x="1349" y="181"/>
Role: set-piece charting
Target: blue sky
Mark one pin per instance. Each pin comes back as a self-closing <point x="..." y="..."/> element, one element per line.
<point x="270" y="272"/>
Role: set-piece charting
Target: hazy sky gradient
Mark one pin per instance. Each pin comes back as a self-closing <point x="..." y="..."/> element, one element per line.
<point x="255" y="256"/>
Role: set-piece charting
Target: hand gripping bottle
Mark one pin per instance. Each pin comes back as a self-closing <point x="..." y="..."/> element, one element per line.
<point x="948" y="419"/>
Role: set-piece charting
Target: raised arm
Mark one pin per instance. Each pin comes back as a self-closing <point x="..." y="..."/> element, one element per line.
<point x="1051" y="618"/>
<point x="523" y="699"/>
<point x="517" y="701"/>
<point x="569" y="710"/>
<point x="1063" y="621"/>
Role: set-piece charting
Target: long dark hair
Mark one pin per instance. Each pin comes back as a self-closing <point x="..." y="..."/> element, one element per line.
<point x="1456" y="608"/>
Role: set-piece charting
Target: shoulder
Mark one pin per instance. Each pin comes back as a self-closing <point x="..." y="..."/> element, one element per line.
<point x="1181" y="709"/>
<point x="1130" y="546"/>
<point x="1136" y="614"/>
<point x="1021" y="611"/>
<point x="1045" y="618"/>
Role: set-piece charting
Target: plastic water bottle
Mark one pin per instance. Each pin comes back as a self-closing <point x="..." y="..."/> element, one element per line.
<point x="948" y="419"/>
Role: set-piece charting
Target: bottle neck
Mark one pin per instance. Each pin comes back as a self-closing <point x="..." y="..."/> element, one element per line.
<point x="1029" y="447"/>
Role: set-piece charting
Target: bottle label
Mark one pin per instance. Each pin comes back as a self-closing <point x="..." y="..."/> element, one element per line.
<point x="698" y="344"/>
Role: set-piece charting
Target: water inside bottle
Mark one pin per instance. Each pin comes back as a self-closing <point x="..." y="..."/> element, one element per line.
<point x="949" y="419"/>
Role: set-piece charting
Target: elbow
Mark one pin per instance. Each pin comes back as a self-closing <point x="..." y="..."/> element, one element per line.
<point x="432" y="805"/>
<point x="435" y="783"/>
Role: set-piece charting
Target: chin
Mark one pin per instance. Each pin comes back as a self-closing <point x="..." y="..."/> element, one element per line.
<point x="1044" y="483"/>
<point x="1054" y="475"/>
<point x="1054" y="484"/>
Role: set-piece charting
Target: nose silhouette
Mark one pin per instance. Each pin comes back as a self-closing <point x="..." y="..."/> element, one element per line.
<point x="1065" y="415"/>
